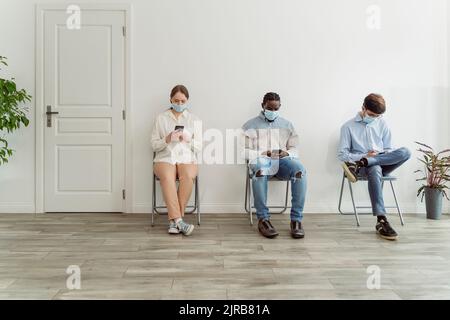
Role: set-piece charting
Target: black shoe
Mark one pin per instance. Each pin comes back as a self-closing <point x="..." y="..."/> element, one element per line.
<point x="351" y="171"/>
<point x="385" y="230"/>
<point x="297" y="231"/>
<point x="266" y="229"/>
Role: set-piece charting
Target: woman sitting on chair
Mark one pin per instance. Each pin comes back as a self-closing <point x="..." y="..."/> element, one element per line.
<point x="176" y="139"/>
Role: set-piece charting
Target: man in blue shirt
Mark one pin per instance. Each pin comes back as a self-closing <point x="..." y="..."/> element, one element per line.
<point x="271" y="146"/>
<point x="366" y="151"/>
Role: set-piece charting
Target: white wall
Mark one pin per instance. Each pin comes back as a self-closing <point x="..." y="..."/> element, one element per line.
<point x="317" y="54"/>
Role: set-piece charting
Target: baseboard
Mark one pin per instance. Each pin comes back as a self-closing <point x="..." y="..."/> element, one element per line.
<point x="316" y="208"/>
<point x="17" y="207"/>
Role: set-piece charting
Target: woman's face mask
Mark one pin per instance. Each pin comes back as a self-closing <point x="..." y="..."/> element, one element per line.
<point x="179" y="107"/>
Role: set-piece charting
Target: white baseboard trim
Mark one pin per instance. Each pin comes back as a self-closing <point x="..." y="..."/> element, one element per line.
<point x="316" y="208"/>
<point x="17" y="207"/>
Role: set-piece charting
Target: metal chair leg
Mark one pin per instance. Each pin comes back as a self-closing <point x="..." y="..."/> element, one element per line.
<point x="197" y="200"/>
<point x="341" y="194"/>
<point x="246" y="192"/>
<point x="154" y="201"/>
<point x="286" y="198"/>
<point x="353" y="203"/>
<point x="396" y="204"/>
<point x="250" y="201"/>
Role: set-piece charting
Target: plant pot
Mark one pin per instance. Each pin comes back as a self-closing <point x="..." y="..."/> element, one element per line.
<point x="433" y="203"/>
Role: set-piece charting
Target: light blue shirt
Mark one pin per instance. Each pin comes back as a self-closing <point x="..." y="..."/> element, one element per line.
<point x="260" y="134"/>
<point x="358" y="138"/>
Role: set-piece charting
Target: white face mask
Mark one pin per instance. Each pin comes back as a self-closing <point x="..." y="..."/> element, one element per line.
<point x="271" y="115"/>
<point x="369" y="119"/>
<point x="179" y="107"/>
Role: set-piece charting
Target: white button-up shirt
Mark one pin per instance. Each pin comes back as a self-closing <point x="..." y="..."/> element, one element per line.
<point x="176" y="151"/>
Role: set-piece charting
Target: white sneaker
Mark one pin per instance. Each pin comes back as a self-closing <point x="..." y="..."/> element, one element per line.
<point x="173" y="228"/>
<point x="185" y="228"/>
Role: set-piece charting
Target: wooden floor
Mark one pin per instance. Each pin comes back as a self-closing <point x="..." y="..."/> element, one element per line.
<point x="123" y="257"/>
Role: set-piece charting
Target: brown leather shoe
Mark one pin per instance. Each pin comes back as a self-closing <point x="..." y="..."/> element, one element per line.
<point x="297" y="231"/>
<point x="266" y="229"/>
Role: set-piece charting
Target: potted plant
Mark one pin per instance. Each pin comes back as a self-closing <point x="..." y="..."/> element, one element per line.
<point x="12" y="111"/>
<point x="436" y="175"/>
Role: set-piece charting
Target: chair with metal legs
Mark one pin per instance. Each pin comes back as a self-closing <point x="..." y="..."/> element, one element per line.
<point x="191" y="209"/>
<point x="249" y="199"/>
<point x="355" y="212"/>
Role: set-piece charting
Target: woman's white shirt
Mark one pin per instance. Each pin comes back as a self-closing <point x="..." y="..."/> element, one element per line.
<point x="176" y="151"/>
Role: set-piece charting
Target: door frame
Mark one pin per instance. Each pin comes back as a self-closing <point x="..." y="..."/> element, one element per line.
<point x="39" y="98"/>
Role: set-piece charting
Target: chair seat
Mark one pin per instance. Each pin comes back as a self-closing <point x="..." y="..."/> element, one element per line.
<point x="278" y="179"/>
<point x="157" y="179"/>
<point x="384" y="178"/>
<point x="274" y="178"/>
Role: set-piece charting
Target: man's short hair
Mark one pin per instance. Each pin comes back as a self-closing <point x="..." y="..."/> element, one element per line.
<point x="271" y="96"/>
<point x="375" y="103"/>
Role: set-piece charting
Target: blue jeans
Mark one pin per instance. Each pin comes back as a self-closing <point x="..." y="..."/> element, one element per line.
<point x="379" y="166"/>
<point x="284" y="169"/>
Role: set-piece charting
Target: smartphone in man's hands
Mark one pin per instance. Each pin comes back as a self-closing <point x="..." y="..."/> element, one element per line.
<point x="179" y="128"/>
<point x="276" y="152"/>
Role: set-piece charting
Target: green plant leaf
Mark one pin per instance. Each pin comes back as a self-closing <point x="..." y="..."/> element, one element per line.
<point x="424" y="145"/>
<point x="12" y="111"/>
<point x="443" y="151"/>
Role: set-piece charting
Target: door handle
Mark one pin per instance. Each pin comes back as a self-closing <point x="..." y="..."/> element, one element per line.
<point x="49" y="114"/>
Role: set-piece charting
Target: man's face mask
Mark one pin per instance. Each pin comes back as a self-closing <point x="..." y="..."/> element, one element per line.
<point x="271" y="115"/>
<point x="271" y="111"/>
<point x="368" y="119"/>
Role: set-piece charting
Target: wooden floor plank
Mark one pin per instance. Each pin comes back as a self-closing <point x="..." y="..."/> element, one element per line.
<point x="122" y="257"/>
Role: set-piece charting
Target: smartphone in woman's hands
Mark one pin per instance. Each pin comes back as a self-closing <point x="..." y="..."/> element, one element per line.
<point x="176" y="134"/>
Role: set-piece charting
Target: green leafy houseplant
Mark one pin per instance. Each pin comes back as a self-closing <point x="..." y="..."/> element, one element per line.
<point x="435" y="177"/>
<point x="436" y="172"/>
<point x="12" y="111"/>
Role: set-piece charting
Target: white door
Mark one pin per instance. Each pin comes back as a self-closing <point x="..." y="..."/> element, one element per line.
<point x="84" y="160"/>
